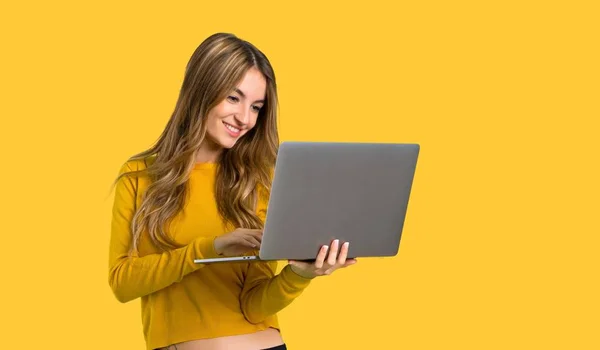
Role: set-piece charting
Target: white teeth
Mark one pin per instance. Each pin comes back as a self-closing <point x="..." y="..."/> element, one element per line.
<point x="231" y="128"/>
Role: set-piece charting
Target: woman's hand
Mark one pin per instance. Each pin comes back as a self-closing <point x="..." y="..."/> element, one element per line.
<point x="324" y="264"/>
<point x="238" y="242"/>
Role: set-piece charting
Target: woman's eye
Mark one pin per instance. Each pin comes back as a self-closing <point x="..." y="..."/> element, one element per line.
<point x="233" y="98"/>
<point x="256" y="108"/>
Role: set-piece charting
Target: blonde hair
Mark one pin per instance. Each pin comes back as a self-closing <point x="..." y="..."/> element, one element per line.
<point x="213" y="71"/>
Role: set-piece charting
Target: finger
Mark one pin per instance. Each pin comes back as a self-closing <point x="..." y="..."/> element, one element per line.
<point x="343" y="253"/>
<point x="243" y="241"/>
<point x="257" y="234"/>
<point x="321" y="257"/>
<point x="333" y="252"/>
<point x="350" y="262"/>
<point x="255" y="243"/>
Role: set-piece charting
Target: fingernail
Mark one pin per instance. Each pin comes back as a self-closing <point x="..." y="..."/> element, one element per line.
<point x="337" y="241"/>
<point x="347" y="244"/>
<point x="325" y="247"/>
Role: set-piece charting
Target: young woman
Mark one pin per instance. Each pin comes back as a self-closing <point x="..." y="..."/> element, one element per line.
<point x="201" y="191"/>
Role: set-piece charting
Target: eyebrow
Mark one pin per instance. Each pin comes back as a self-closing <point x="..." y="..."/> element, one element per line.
<point x="244" y="95"/>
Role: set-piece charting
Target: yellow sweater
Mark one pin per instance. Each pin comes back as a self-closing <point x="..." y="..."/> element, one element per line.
<point x="181" y="300"/>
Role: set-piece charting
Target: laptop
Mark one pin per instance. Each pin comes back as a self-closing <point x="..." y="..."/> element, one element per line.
<point x="321" y="191"/>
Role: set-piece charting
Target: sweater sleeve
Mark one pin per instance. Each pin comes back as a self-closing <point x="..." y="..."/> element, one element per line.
<point x="264" y="294"/>
<point x="131" y="277"/>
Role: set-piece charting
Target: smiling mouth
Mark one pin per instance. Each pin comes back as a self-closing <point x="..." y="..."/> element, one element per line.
<point x="232" y="128"/>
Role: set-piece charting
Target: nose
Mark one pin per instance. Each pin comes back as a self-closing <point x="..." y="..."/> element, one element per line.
<point x="242" y="117"/>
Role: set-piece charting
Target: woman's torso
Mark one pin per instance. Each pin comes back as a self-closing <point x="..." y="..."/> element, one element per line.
<point x="204" y="307"/>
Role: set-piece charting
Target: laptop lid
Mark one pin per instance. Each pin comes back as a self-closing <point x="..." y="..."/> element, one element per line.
<point x="355" y="192"/>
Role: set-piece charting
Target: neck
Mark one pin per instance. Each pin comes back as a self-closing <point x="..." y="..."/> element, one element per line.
<point x="208" y="152"/>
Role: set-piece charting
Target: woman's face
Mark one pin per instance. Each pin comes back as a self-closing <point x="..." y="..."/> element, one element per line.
<point x="237" y="113"/>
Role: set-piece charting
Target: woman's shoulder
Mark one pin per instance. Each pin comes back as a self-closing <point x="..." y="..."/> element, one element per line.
<point x="137" y="164"/>
<point x="132" y="175"/>
<point x="132" y="171"/>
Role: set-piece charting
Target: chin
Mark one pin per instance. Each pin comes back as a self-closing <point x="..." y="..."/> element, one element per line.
<point x="227" y="144"/>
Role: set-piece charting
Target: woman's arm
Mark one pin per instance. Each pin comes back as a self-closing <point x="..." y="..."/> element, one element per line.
<point x="264" y="293"/>
<point x="131" y="277"/>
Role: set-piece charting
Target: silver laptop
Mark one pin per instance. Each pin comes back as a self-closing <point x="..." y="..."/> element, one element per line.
<point x="355" y="192"/>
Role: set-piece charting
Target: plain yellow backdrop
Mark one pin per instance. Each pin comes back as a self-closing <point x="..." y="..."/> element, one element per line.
<point x="500" y="248"/>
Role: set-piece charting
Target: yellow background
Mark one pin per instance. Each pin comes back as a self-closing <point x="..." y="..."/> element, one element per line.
<point x="500" y="248"/>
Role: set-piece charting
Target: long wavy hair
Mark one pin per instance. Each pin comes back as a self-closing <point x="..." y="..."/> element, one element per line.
<point x="216" y="66"/>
